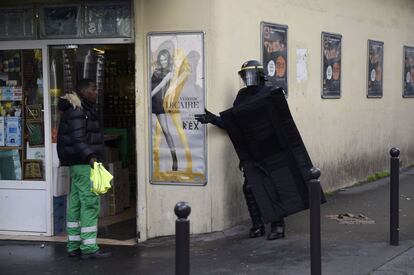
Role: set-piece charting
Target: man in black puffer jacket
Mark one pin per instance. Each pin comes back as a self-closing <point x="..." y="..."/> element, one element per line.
<point x="80" y="143"/>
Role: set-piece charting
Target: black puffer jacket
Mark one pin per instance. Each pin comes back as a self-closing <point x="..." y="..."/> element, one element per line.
<point x="80" y="136"/>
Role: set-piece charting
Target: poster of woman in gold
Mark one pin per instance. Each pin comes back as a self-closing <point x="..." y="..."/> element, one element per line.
<point x="176" y="93"/>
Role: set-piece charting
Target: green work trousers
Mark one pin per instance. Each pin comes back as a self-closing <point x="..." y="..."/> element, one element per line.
<point x="83" y="212"/>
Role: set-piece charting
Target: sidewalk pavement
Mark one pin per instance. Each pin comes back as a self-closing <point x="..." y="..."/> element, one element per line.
<point x="346" y="248"/>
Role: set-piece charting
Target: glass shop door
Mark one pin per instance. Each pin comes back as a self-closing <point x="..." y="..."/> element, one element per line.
<point x="25" y="203"/>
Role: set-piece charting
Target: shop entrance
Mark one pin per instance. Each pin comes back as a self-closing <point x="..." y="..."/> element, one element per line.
<point x="112" y="66"/>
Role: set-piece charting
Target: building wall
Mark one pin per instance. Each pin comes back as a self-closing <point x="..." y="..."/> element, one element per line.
<point x="348" y="138"/>
<point x="156" y="203"/>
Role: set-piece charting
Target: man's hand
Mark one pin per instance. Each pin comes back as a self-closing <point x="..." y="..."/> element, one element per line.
<point x="92" y="161"/>
<point x="205" y="118"/>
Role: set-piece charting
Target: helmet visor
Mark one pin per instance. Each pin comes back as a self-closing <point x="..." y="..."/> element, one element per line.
<point x="249" y="77"/>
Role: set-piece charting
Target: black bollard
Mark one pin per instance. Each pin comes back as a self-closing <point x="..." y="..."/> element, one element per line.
<point x="315" y="220"/>
<point x="394" y="196"/>
<point x="182" y="239"/>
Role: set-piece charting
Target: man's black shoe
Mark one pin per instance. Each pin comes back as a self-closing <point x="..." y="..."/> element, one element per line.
<point x="277" y="231"/>
<point x="257" y="231"/>
<point x="74" y="253"/>
<point x="96" y="255"/>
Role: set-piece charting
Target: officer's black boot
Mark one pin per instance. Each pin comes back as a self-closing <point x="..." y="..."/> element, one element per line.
<point x="277" y="230"/>
<point x="258" y="228"/>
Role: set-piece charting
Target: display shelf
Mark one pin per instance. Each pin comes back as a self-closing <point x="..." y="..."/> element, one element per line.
<point x="119" y="115"/>
<point x="5" y="148"/>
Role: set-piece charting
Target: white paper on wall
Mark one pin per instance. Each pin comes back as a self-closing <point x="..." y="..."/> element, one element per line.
<point x="301" y="65"/>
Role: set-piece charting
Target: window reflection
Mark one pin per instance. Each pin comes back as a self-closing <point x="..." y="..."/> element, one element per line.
<point x="22" y="146"/>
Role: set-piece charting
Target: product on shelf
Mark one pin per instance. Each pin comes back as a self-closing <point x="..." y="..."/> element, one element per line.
<point x="13" y="131"/>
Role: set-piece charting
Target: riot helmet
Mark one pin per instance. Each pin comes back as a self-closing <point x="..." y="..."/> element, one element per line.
<point x="252" y="73"/>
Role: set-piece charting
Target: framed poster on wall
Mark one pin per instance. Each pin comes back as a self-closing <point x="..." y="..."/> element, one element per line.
<point x="408" y="86"/>
<point x="331" y="65"/>
<point x="274" y="54"/>
<point x="375" y="68"/>
<point x="176" y="89"/>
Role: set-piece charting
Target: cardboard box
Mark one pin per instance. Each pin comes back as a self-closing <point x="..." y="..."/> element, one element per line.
<point x="125" y="194"/>
<point x="123" y="176"/>
<point x="115" y="203"/>
<point x="61" y="181"/>
<point x="115" y="168"/>
<point x="111" y="154"/>
<point x="115" y="198"/>
<point x="55" y="157"/>
<point x="13" y="131"/>
<point x="104" y="206"/>
<point x="2" y="131"/>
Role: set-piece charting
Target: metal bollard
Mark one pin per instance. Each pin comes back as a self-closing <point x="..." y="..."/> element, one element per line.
<point x="394" y="196"/>
<point x="315" y="220"/>
<point x="182" y="239"/>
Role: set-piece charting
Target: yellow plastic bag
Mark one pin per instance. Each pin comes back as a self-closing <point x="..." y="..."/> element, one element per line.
<point x="100" y="179"/>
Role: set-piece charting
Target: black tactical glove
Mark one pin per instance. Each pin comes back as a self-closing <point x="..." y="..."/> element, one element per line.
<point x="92" y="162"/>
<point x="205" y="118"/>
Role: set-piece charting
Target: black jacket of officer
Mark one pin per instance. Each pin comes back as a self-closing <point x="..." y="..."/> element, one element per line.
<point x="244" y="95"/>
<point x="253" y="77"/>
<point x="254" y="81"/>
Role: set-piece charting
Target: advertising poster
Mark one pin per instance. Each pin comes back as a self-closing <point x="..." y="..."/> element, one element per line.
<point x="408" y="72"/>
<point x="274" y="54"/>
<point x="176" y="90"/>
<point x="375" y="66"/>
<point x="331" y="65"/>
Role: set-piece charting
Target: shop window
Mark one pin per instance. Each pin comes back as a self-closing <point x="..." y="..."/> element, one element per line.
<point x="108" y="20"/>
<point x="87" y="19"/>
<point x="22" y="146"/>
<point x="58" y="21"/>
<point x="17" y="23"/>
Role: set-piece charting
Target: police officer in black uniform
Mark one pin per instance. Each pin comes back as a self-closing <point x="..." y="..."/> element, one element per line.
<point x="253" y="77"/>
